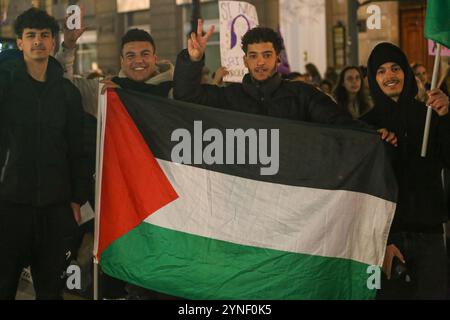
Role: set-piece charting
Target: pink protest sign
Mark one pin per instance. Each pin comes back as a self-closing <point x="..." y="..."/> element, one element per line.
<point x="432" y="49"/>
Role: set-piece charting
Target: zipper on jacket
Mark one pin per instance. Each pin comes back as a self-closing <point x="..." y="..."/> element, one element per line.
<point x="39" y="124"/>
<point x="2" y="177"/>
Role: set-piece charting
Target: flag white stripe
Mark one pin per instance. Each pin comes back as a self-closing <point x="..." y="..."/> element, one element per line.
<point x="329" y="223"/>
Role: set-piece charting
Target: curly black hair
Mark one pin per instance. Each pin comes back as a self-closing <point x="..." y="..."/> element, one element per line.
<point x="35" y="18"/>
<point x="137" y="35"/>
<point x="260" y="35"/>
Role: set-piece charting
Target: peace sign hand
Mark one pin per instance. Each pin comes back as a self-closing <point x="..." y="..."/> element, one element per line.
<point x="197" y="42"/>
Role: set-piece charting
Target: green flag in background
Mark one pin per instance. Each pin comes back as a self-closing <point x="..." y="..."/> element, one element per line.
<point x="437" y="21"/>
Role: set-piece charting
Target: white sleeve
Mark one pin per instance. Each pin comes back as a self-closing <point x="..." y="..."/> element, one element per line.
<point x="66" y="57"/>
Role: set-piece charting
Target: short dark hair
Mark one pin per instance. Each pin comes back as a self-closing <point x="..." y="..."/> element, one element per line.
<point x="137" y="35"/>
<point x="35" y="18"/>
<point x="260" y="35"/>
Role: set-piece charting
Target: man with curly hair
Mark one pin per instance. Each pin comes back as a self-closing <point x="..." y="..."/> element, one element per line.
<point x="43" y="176"/>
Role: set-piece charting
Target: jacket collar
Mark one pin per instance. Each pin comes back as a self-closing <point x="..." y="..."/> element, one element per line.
<point x="261" y="89"/>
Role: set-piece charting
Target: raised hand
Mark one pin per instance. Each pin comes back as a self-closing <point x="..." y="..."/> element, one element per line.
<point x="219" y="75"/>
<point x="71" y="36"/>
<point x="197" y="42"/>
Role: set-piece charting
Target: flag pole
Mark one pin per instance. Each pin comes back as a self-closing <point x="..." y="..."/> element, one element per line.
<point x="101" y="114"/>
<point x="434" y="81"/>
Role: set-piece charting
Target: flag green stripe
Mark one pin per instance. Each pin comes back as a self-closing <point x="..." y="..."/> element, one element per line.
<point x="177" y="263"/>
<point x="437" y="21"/>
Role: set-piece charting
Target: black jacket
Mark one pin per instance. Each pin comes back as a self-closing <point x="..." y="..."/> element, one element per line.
<point x="41" y="138"/>
<point x="421" y="206"/>
<point x="274" y="97"/>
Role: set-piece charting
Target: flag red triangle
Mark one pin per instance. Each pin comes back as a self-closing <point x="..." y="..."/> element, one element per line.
<point x="133" y="184"/>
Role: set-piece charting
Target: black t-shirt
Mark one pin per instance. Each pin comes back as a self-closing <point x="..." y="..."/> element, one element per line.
<point x="39" y="86"/>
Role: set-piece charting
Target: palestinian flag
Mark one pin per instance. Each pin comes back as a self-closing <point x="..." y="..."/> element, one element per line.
<point x="437" y="22"/>
<point x="306" y="226"/>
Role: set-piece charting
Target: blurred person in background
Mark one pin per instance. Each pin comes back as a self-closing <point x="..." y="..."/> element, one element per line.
<point x="312" y="70"/>
<point x="349" y="92"/>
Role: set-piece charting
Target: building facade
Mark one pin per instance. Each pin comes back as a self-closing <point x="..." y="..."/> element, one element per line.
<point x="320" y="37"/>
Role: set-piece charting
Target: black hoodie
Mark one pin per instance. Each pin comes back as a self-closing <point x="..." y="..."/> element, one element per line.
<point x="421" y="206"/>
<point x="41" y="138"/>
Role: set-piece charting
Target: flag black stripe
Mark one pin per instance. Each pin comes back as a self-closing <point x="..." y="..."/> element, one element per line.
<point x="310" y="155"/>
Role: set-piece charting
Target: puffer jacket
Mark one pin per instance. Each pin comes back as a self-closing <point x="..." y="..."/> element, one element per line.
<point x="274" y="97"/>
<point x="41" y="138"/>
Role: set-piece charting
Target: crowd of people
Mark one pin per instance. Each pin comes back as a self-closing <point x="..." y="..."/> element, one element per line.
<point x="47" y="141"/>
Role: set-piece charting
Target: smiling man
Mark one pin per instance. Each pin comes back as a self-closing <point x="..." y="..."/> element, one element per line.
<point x="391" y="79"/>
<point x="140" y="68"/>
<point x="416" y="235"/>
<point x="43" y="178"/>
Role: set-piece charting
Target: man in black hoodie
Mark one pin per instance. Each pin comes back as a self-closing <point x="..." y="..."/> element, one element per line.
<point x="43" y="177"/>
<point x="416" y="235"/>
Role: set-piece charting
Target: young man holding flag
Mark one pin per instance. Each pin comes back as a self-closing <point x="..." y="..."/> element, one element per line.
<point x="416" y="235"/>
<point x="262" y="90"/>
<point x="140" y="69"/>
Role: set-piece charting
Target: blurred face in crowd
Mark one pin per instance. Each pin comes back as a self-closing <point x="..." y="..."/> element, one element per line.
<point x="390" y="77"/>
<point x="261" y="60"/>
<point x="36" y="44"/>
<point x="138" y="60"/>
<point x="421" y="73"/>
<point x="352" y="81"/>
<point x="325" y="87"/>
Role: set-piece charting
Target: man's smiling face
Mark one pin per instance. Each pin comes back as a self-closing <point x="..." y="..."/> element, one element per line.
<point x="391" y="78"/>
<point x="138" y="60"/>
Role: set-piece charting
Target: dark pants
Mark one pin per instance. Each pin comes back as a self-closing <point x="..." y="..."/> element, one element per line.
<point x="425" y="257"/>
<point x="42" y="238"/>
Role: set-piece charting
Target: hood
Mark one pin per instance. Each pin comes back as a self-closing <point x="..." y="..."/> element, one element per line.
<point x="387" y="52"/>
<point x="387" y="112"/>
<point x="164" y="73"/>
